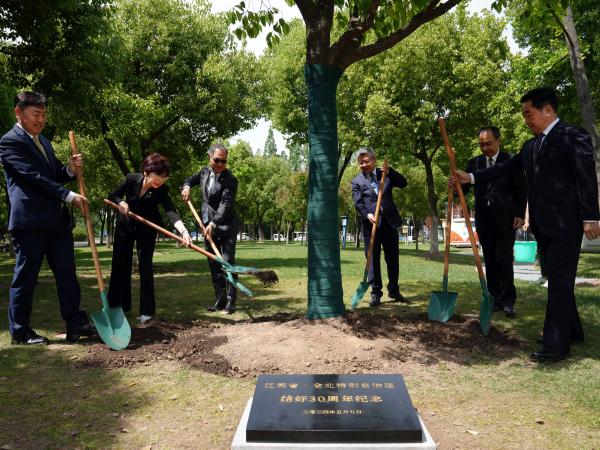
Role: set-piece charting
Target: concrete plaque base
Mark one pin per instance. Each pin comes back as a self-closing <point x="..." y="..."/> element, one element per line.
<point x="240" y="443"/>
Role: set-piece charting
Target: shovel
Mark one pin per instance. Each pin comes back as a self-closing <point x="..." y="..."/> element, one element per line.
<point x="111" y="323"/>
<point x="364" y="284"/>
<point x="486" y="307"/>
<point x="167" y="233"/>
<point x="442" y="304"/>
<point x="268" y="277"/>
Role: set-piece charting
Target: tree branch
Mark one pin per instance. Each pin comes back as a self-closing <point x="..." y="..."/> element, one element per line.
<point x="428" y="14"/>
<point x="114" y="150"/>
<point x="355" y="31"/>
<point x="156" y="134"/>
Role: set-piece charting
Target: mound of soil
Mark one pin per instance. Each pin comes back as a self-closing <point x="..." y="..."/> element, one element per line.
<point x="285" y="343"/>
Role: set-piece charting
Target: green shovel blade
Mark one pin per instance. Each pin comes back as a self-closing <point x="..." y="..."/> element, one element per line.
<point x="112" y="325"/>
<point x="360" y="292"/>
<point x="442" y="304"/>
<point x="238" y="285"/>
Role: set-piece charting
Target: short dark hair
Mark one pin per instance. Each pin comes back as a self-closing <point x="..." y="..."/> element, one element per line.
<point x="215" y="147"/>
<point x="29" y="98"/>
<point x="495" y="131"/>
<point x="541" y="97"/>
<point x="156" y="163"/>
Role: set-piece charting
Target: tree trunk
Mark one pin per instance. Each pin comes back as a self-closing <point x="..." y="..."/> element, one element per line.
<point x="325" y="292"/>
<point x="432" y="199"/>
<point x="588" y="114"/>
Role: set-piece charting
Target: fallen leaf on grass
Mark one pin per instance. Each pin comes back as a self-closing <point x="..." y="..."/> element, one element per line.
<point x="40" y="394"/>
<point x="74" y="357"/>
<point x="221" y="408"/>
<point x="74" y="433"/>
<point x="124" y="430"/>
<point x="539" y="421"/>
<point x="473" y="432"/>
<point x="173" y="397"/>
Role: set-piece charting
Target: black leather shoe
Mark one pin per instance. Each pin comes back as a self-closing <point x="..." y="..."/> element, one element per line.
<point x="375" y="301"/>
<point x="509" y="311"/>
<point x="216" y="307"/>
<point x="28" y="337"/>
<point x="398" y="298"/>
<point x="230" y="308"/>
<point x="547" y="355"/>
<point x="73" y="334"/>
<point x="573" y="341"/>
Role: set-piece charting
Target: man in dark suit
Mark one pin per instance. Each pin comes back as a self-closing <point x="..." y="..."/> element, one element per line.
<point x="499" y="211"/>
<point x="365" y="188"/>
<point x="562" y="192"/>
<point x="219" y="188"/>
<point x="39" y="221"/>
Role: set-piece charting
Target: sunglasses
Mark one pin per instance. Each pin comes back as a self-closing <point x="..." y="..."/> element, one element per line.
<point x="219" y="161"/>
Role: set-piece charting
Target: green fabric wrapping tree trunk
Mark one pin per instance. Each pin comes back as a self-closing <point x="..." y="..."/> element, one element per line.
<point x="325" y="293"/>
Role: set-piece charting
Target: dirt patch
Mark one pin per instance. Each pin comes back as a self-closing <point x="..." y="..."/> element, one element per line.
<point x="286" y="343"/>
<point x="191" y="343"/>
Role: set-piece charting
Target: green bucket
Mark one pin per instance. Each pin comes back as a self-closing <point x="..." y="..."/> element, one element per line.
<point x="525" y="251"/>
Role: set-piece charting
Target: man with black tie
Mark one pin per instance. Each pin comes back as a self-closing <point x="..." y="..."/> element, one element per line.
<point x="39" y="221"/>
<point x="219" y="188"/>
<point x="365" y="188"/>
<point x="563" y="204"/>
<point x="499" y="211"/>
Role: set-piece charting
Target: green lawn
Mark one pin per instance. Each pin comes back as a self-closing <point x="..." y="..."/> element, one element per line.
<point x="49" y="402"/>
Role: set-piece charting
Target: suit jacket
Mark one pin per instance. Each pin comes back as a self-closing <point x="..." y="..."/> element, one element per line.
<point x="34" y="184"/>
<point x="365" y="198"/>
<point x="146" y="206"/>
<point x="507" y="196"/>
<point x="561" y="182"/>
<point x="219" y="203"/>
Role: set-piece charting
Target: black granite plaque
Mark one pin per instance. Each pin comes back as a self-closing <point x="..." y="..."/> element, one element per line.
<point x="369" y="408"/>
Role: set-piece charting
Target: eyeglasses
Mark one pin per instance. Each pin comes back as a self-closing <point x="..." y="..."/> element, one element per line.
<point x="219" y="161"/>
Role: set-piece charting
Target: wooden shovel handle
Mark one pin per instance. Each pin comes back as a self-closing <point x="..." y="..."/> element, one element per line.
<point x="163" y="231"/>
<point x="448" y="230"/>
<point x="461" y="195"/>
<point x="203" y="228"/>
<point x="86" y="214"/>
<point x="377" y="210"/>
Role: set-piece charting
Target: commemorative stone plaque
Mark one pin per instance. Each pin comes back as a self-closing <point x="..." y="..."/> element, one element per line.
<point x="369" y="408"/>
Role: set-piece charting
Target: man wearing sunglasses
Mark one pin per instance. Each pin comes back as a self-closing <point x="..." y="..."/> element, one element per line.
<point x="219" y="188"/>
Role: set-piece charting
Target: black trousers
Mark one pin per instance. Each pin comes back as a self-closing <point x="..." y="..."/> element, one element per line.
<point x="119" y="291"/>
<point x="497" y="243"/>
<point x="386" y="237"/>
<point x="56" y="244"/>
<point x="562" y="323"/>
<point x="225" y="292"/>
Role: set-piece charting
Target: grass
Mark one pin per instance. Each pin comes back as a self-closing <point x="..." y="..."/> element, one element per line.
<point x="49" y="402"/>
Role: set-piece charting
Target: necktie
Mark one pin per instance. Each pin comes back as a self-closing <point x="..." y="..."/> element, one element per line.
<point x="212" y="183"/>
<point x="537" y="145"/>
<point x="38" y="144"/>
<point x="374" y="184"/>
<point x="490" y="163"/>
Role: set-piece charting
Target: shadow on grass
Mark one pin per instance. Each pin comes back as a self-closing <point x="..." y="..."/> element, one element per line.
<point x="49" y="403"/>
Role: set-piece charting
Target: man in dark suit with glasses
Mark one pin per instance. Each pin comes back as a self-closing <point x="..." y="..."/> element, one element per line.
<point x="219" y="188"/>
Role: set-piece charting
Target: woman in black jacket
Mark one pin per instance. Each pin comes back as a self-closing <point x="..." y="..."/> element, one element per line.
<point x="140" y="193"/>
